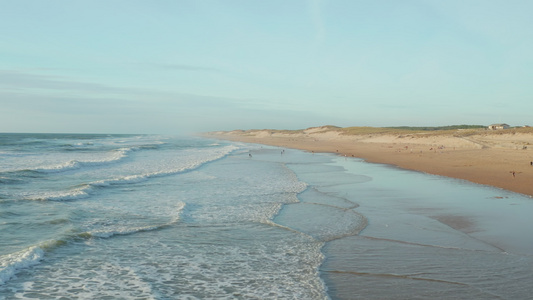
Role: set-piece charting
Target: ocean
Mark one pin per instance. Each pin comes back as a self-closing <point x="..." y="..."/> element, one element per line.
<point x="161" y="217"/>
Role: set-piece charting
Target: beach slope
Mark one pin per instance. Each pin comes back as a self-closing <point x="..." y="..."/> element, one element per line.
<point x="500" y="158"/>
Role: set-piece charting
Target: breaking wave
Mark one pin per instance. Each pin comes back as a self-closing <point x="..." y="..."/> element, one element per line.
<point x="85" y="190"/>
<point x="12" y="263"/>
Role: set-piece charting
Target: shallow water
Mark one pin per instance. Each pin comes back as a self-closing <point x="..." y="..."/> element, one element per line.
<point x="427" y="237"/>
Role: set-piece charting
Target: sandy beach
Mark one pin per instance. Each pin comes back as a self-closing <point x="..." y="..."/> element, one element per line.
<point x="500" y="158"/>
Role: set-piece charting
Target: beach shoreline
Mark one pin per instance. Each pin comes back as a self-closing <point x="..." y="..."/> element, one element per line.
<point x="497" y="158"/>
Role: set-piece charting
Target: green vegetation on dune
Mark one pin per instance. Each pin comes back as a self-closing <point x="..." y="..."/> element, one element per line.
<point x="455" y="130"/>
<point x="372" y="130"/>
<point x="413" y="130"/>
<point x="450" y="127"/>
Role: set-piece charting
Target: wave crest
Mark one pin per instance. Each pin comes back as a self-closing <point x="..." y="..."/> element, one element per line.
<point x="12" y="263"/>
<point x="85" y="190"/>
<point x="115" y="156"/>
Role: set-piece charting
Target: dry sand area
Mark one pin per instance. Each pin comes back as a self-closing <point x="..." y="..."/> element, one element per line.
<point x="501" y="158"/>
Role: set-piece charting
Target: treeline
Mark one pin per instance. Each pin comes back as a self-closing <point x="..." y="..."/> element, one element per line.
<point x="429" y="128"/>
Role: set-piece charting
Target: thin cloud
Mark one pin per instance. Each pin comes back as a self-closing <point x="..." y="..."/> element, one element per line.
<point x="11" y="79"/>
<point x="23" y="85"/>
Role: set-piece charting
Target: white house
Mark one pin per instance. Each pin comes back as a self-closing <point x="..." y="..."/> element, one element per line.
<point x="499" y="126"/>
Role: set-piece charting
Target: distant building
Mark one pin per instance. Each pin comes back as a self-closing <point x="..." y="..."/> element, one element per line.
<point x="499" y="126"/>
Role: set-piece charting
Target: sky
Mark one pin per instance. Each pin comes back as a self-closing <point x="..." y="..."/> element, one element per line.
<point x="180" y="66"/>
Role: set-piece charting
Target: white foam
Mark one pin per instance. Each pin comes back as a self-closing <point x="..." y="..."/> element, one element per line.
<point x="112" y="157"/>
<point x="72" y="194"/>
<point x="58" y="162"/>
<point x="10" y="264"/>
<point x="188" y="160"/>
<point x="282" y="269"/>
<point x="196" y="159"/>
<point x="122" y="230"/>
<point x="179" y="209"/>
<point x="93" y="280"/>
<point x="126" y="230"/>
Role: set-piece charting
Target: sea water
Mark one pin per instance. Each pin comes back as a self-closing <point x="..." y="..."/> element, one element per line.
<point x="159" y="217"/>
<point x="149" y="217"/>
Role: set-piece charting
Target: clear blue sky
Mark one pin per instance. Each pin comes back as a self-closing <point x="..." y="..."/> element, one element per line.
<point x="175" y="66"/>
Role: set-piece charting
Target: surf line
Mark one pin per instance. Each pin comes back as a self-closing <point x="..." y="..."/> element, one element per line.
<point x="394" y="276"/>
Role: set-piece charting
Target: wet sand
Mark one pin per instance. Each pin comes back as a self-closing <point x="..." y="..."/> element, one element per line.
<point x="497" y="158"/>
